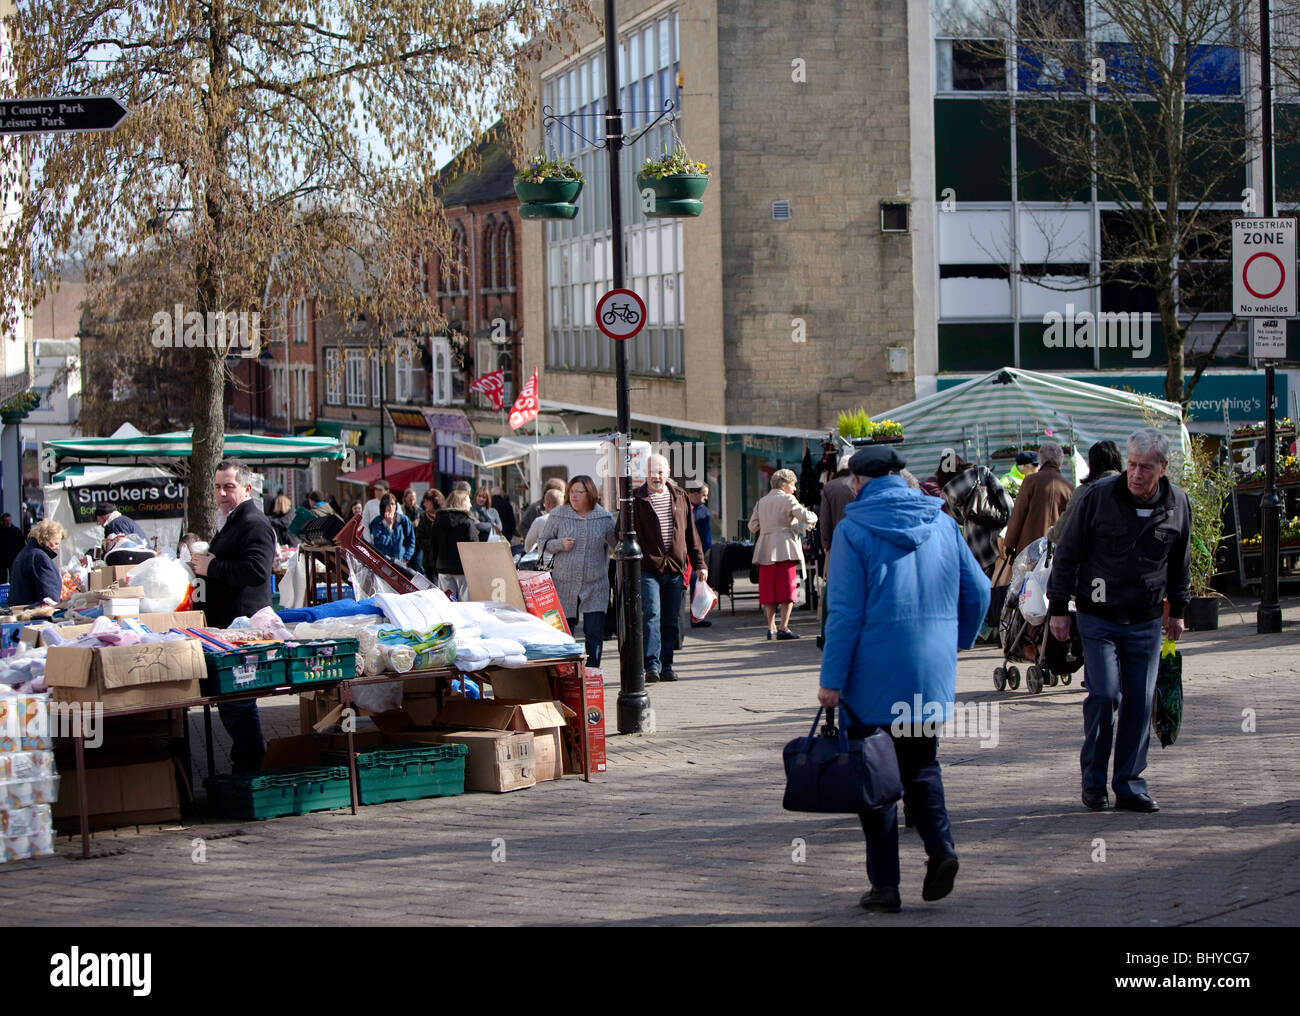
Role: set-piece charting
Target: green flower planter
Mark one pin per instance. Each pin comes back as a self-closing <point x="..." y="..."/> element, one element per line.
<point x="674" y="188"/>
<point x="547" y="210"/>
<point x="553" y="190"/>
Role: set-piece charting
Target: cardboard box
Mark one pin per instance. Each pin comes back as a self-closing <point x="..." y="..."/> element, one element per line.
<point x="306" y="749"/>
<point x="499" y="761"/>
<point x="104" y="576"/>
<point x="541" y="599"/>
<point x="591" y="709"/>
<point x="490" y="573"/>
<point x="154" y="622"/>
<point x="127" y="677"/>
<point x="120" y="606"/>
<point x="121" y="791"/>
<point x="543" y="719"/>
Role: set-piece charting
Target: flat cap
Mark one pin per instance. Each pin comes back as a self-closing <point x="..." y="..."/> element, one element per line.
<point x="103" y="509"/>
<point x="1027" y="459"/>
<point x="876" y="461"/>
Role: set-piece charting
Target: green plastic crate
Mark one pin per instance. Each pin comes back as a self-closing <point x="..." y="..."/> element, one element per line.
<point x="245" y="670"/>
<point x="408" y="772"/>
<point x="322" y="660"/>
<point x="290" y="791"/>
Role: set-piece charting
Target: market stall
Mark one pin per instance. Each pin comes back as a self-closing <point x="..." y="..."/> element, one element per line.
<point x="1010" y="408"/>
<point x="402" y="696"/>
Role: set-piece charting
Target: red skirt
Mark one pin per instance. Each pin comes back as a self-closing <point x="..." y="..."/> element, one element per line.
<point x="776" y="582"/>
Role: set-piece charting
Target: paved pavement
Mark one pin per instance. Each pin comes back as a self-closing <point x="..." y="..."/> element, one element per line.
<point x="687" y="825"/>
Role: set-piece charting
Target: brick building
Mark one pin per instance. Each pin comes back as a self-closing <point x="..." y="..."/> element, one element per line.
<point x="777" y="307"/>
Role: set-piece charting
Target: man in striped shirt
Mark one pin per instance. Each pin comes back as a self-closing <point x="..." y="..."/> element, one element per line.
<point x="669" y="540"/>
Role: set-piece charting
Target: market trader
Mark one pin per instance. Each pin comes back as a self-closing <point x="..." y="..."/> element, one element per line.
<point x="237" y="581"/>
<point x="1125" y="548"/>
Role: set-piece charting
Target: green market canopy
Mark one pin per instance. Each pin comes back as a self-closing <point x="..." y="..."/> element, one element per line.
<point x="1011" y="407"/>
<point x="167" y="450"/>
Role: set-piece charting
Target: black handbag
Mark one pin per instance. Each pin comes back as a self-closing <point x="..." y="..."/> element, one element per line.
<point x="827" y="772"/>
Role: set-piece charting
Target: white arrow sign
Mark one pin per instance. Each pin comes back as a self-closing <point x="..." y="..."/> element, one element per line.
<point x="1263" y="267"/>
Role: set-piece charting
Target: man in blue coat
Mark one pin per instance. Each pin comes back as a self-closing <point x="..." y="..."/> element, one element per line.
<point x="905" y="594"/>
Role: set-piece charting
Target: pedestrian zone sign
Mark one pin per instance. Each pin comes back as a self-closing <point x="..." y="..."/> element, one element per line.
<point x="1263" y="267"/>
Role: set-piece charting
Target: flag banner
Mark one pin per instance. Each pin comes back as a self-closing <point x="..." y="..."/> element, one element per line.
<point x="526" y="406"/>
<point x="493" y="386"/>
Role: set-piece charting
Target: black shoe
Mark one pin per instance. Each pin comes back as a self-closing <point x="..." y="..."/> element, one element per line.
<point x="771" y="635"/>
<point x="821" y="641"/>
<point x="885" y="901"/>
<point x="1138" y="802"/>
<point x="701" y="624"/>
<point x="668" y="675"/>
<point x="940" y="873"/>
<point x="785" y="636"/>
<point x="651" y="676"/>
<point x="1095" y="800"/>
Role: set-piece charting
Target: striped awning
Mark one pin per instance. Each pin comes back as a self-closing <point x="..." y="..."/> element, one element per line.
<point x="1010" y="405"/>
<point x="249" y="447"/>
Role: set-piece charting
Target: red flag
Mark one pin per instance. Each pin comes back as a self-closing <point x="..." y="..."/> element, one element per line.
<point x="526" y="406"/>
<point x="493" y="386"/>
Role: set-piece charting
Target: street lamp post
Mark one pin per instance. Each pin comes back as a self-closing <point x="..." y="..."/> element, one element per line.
<point x="1268" y="619"/>
<point x="633" y="701"/>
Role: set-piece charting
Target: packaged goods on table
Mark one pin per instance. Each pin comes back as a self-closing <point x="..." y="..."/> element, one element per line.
<point x="29" y="781"/>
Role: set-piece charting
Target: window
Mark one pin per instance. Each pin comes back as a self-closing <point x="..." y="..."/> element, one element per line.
<point x="448" y="382"/>
<point x="455" y="280"/>
<point x="506" y="246"/>
<point x="403" y="377"/>
<point x="333" y="396"/>
<point x="376" y="380"/>
<point x="302" y="408"/>
<point x="356" y="377"/>
<point x="490" y="356"/>
<point x="300" y="321"/>
<point x="578" y="252"/>
<point x="279" y="390"/>
<point x="491" y="272"/>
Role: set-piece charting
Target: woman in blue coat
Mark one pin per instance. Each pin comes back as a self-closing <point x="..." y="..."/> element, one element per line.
<point x="905" y="594"/>
<point x="35" y="572"/>
<point x="391" y="532"/>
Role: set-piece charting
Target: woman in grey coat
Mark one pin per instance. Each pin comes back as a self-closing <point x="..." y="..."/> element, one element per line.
<point x="580" y="534"/>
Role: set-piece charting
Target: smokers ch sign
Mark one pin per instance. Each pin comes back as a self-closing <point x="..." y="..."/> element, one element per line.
<point x="1263" y="267"/>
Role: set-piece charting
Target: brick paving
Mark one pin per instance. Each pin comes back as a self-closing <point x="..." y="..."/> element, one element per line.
<point x="686" y="827"/>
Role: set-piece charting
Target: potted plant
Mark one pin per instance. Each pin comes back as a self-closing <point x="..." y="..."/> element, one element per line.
<point x="1282" y="427"/>
<point x="859" y="429"/>
<point x="675" y="183"/>
<point x="1207" y="486"/>
<point x="17" y="408"/>
<point x="548" y="188"/>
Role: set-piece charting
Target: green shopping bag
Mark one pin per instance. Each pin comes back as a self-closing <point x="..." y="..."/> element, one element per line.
<point x="1167" y="708"/>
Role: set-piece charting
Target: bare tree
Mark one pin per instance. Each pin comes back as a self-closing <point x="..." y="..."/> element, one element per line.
<point x="288" y="141"/>
<point x="1144" y="104"/>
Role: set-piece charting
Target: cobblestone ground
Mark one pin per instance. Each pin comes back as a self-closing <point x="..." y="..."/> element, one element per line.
<point x="686" y="827"/>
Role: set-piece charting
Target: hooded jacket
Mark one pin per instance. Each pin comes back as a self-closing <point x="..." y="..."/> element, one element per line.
<point x="905" y="594"/>
<point x="451" y="528"/>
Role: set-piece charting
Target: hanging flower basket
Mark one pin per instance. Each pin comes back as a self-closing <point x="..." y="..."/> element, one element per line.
<point x="675" y="183"/>
<point x="547" y="189"/>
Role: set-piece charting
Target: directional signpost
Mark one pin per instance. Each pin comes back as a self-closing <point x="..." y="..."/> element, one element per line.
<point x="1264" y="287"/>
<point x="61" y="114"/>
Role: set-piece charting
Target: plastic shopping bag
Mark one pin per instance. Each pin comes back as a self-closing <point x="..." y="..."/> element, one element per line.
<point x="1167" y="709"/>
<point x="704" y="600"/>
<point x="1033" y="597"/>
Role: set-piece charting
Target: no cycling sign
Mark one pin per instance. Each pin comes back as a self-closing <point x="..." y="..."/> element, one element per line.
<point x="1263" y="267"/>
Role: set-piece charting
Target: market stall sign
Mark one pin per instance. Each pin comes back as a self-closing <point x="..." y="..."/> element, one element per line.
<point x="136" y="499"/>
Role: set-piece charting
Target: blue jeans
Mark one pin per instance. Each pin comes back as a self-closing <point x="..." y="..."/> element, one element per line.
<point x="661" y="609"/>
<point x="593" y="629"/>
<point x="918" y="765"/>
<point x="1121" y="662"/>
<point x="244" y="726"/>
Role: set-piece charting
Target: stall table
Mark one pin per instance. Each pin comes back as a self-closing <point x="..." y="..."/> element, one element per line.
<point x="443" y="675"/>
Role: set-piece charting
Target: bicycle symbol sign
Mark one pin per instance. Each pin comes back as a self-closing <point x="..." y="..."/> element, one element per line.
<point x="620" y="313"/>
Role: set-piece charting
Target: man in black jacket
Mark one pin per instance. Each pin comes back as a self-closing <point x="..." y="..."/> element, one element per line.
<point x="236" y="580"/>
<point x="1125" y="548"/>
<point x="12" y="541"/>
